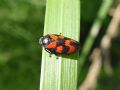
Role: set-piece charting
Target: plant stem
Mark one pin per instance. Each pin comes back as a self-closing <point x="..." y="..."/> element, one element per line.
<point x="95" y="29"/>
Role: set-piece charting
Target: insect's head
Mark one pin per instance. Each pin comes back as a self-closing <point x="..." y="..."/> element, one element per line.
<point x="45" y="40"/>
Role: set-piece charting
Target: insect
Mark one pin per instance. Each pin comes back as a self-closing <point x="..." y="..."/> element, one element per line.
<point x="59" y="44"/>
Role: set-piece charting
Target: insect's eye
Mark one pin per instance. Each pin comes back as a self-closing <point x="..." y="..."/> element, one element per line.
<point x="45" y="41"/>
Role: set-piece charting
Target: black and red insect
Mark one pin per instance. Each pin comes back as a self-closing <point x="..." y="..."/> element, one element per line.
<point x="59" y="44"/>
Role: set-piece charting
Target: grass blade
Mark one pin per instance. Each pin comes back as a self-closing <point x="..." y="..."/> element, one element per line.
<point x="102" y="13"/>
<point x="62" y="16"/>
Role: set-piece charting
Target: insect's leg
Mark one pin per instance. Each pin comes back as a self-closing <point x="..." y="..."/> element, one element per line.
<point x="60" y="33"/>
<point x="50" y="55"/>
<point x="48" y="52"/>
<point x="57" y="57"/>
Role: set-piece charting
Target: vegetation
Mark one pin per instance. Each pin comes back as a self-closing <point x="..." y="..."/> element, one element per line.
<point x="21" y="26"/>
<point x="61" y="73"/>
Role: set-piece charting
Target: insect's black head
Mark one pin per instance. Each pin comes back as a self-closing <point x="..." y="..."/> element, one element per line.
<point x="45" y="40"/>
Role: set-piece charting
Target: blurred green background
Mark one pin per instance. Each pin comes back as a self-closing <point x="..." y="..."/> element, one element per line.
<point x="21" y="25"/>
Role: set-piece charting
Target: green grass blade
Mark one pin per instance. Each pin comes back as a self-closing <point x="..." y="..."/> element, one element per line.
<point x="102" y="13"/>
<point x="62" y="16"/>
